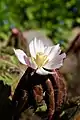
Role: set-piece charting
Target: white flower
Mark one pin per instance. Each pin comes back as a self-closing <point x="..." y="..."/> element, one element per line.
<point x="43" y="58"/>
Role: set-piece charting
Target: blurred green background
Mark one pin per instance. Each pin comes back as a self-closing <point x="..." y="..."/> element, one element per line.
<point x="55" y="17"/>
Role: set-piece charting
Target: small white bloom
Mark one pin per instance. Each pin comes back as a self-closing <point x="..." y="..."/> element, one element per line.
<point x="43" y="58"/>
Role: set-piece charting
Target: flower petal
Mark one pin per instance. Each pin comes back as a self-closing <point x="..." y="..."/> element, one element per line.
<point x="24" y="59"/>
<point x="35" y="47"/>
<point x="55" y="63"/>
<point x="20" y="55"/>
<point x="54" y="51"/>
<point x="30" y="63"/>
<point x="41" y="71"/>
<point x="32" y="49"/>
<point x="39" y="46"/>
<point x="47" y="50"/>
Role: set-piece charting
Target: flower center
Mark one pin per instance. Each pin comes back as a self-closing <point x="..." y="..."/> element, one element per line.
<point x="40" y="60"/>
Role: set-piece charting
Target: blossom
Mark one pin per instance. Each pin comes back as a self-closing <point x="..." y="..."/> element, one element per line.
<point x="43" y="59"/>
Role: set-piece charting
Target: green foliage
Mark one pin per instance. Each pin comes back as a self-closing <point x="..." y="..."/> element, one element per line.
<point x="56" y="17"/>
<point x="42" y="108"/>
<point x="6" y="67"/>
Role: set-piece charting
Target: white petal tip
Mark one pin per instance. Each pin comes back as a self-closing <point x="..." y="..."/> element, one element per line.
<point x="20" y="55"/>
<point x="14" y="49"/>
<point x="64" y="55"/>
<point x="35" y="39"/>
<point x="58" y="45"/>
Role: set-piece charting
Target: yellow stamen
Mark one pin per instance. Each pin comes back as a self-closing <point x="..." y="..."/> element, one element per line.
<point x="40" y="59"/>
